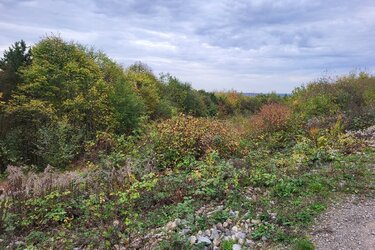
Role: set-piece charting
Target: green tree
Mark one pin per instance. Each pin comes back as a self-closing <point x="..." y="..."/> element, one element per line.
<point x="16" y="57"/>
<point x="183" y="97"/>
<point x="63" y="82"/>
<point x="146" y="85"/>
<point x="127" y="107"/>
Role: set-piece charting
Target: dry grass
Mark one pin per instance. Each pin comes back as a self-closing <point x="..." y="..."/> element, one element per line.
<point x="22" y="185"/>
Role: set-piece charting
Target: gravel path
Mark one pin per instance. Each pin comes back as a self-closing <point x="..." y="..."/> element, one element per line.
<point x="348" y="225"/>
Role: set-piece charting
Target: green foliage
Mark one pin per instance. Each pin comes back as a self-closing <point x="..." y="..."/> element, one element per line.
<point x="57" y="144"/>
<point x="35" y="237"/>
<point x="351" y="94"/>
<point x="25" y="118"/>
<point x="14" y="59"/>
<point x="227" y="244"/>
<point x="263" y="230"/>
<point x="303" y="244"/>
<point x="61" y="82"/>
<point x="146" y="85"/>
<point x="187" y="100"/>
<point x="174" y="139"/>
<point x="128" y="108"/>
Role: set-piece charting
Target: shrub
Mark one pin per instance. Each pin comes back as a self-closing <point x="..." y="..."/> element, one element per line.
<point x="320" y="105"/>
<point x="57" y="144"/>
<point x="175" y="139"/>
<point x="363" y="119"/>
<point x="271" y="118"/>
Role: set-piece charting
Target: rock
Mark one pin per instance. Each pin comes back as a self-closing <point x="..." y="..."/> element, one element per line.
<point x="236" y="247"/>
<point x="116" y="223"/>
<point x="217" y="242"/>
<point x="225" y="224"/>
<point x="205" y="240"/>
<point x="249" y="242"/>
<point x="172" y="224"/>
<point x="273" y="216"/>
<point x="157" y="235"/>
<point x="136" y="244"/>
<point x="117" y="247"/>
<point x="226" y="238"/>
<point x="19" y="243"/>
<point x="215" y="234"/>
<point x="240" y="235"/>
<point x="264" y="238"/>
<point x="185" y="231"/>
<point x="207" y="233"/>
<point x="192" y="240"/>
<point x="234" y="228"/>
<point x="241" y="241"/>
<point x="216" y="248"/>
<point x="218" y="209"/>
<point x="255" y="222"/>
<point x="220" y="226"/>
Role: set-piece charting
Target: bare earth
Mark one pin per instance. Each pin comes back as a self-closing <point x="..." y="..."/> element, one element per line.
<point x="348" y="225"/>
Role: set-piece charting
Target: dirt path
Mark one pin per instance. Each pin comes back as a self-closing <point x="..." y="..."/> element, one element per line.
<point x="348" y="225"/>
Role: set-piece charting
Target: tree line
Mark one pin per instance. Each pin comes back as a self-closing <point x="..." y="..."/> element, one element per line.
<point x="57" y="95"/>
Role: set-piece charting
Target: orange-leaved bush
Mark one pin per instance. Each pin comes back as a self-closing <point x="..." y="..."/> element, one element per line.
<point x="270" y="118"/>
<point x="186" y="136"/>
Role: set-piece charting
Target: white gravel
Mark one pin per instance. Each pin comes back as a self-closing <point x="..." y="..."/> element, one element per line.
<point x="349" y="225"/>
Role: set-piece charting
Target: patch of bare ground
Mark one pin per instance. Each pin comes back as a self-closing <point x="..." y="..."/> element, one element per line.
<point x="349" y="224"/>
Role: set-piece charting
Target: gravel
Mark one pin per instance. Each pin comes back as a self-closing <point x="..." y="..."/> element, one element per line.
<point x="348" y="225"/>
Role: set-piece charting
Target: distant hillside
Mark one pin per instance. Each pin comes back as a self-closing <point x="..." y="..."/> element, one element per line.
<point x="255" y="94"/>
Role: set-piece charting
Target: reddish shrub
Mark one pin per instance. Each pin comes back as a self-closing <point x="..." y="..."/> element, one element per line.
<point x="271" y="117"/>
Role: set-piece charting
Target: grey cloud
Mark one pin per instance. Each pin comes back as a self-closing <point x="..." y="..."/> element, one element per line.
<point x="216" y="44"/>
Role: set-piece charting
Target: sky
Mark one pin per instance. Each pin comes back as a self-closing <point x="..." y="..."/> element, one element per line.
<point x="245" y="45"/>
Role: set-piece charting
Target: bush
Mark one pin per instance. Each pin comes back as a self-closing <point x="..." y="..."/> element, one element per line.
<point x="175" y="139"/>
<point x="57" y="144"/>
<point x="271" y="118"/>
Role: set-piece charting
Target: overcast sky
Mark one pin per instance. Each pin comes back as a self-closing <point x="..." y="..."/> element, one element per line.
<point x="250" y="46"/>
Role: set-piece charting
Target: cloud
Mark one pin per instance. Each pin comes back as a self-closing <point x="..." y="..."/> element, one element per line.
<point x="251" y="46"/>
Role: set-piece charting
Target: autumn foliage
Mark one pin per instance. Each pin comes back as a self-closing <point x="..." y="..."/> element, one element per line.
<point x="271" y="117"/>
<point x="174" y="139"/>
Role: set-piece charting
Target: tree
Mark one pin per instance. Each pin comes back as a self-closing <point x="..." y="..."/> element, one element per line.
<point x="127" y="107"/>
<point x="146" y="85"/>
<point x="15" y="58"/>
<point x="62" y="83"/>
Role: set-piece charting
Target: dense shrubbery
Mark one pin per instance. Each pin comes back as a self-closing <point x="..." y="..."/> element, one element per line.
<point x="185" y="136"/>
<point x="350" y="95"/>
<point x="144" y="150"/>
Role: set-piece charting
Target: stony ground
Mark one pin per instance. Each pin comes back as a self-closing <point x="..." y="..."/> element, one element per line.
<point x="347" y="225"/>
